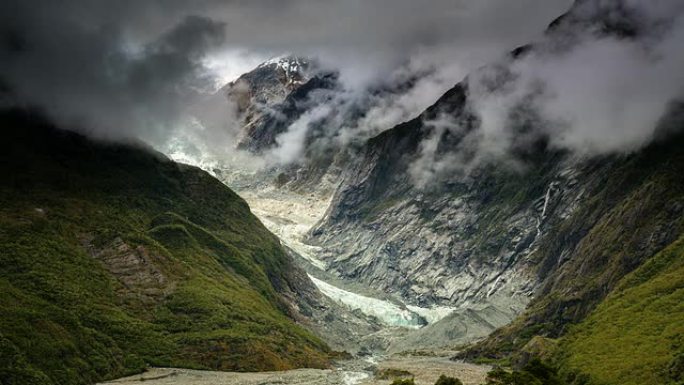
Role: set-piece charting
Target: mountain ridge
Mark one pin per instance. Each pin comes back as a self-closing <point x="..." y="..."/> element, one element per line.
<point x="543" y="240"/>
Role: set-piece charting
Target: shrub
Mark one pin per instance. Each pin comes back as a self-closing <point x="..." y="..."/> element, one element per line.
<point x="445" y="380"/>
<point x="534" y="373"/>
<point x="391" y="374"/>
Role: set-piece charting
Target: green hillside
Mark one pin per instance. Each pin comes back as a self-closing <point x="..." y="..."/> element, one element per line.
<point x="636" y="335"/>
<point x="113" y="258"/>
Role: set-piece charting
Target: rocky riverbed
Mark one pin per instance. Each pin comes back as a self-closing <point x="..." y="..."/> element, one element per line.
<point x="425" y="371"/>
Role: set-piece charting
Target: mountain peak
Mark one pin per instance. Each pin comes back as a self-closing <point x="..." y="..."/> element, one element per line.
<point x="292" y="65"/>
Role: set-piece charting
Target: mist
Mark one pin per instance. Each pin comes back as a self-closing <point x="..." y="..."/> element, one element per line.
<point x="149" y="70"/>
<point x="599" y="93"/>
<point x="582" y="88"/>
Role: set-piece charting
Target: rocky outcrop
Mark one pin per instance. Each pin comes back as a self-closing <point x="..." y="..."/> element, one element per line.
<point x="262" y="130"/>
<point x="468" y="245"/>
<point x="136" y="268"/>
<point x="329" y="118"/>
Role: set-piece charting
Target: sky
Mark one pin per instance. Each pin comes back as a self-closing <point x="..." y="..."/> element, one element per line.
<point x="138" y="69"/>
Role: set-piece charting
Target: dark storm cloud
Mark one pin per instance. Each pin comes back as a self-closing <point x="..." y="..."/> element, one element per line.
<point x="88" y="68"/>
<point x="138" y="68"/>
<point x="371" y="43"/>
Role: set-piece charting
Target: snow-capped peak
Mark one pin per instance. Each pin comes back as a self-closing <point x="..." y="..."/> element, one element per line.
<point x="290" y="64"/>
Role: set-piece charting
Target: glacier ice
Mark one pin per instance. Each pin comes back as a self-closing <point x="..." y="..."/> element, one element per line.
<point x="387" y="312"/>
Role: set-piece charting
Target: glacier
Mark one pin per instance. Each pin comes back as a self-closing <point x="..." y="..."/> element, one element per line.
<point x="388" y="313"/>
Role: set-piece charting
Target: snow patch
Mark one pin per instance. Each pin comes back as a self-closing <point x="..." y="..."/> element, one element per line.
<point x="391" y="314"/>
<point x="288" y="63"/>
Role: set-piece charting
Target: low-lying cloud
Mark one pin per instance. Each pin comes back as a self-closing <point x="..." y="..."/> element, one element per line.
<point x="86" y="70"/>
<point x="602" y="95"/>
<point x="583" y="88"/>
<point x="147" y="69"/>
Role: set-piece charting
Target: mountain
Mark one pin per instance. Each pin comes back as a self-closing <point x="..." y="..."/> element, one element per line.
<point x="114" y="258"/>
<point x="260" y="93"/>
<point x="293" y="94"/>
<point x="542" y="251"/>
<point x="530" y="244"/>
<point x="635" y="335"/>
<point x="439" y="233"/>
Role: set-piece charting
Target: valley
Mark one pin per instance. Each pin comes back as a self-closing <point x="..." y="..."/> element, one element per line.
<point x="392" y="323"/>
<point x="433" y="201"/>
<point x="291" y="216"/>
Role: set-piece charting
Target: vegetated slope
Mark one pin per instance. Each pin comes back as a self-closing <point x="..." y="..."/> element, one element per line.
<point x="113" y="257"/>
<point x="636" y="335"/>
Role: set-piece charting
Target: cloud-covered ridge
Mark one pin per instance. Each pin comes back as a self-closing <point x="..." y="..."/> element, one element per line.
<point x="600" y="81"/>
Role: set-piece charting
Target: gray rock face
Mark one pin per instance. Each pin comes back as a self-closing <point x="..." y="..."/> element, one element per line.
<point x="136" y="268"/>
<point x="270" y="82"/>
<point x="258" y="96"/>
<point x="494" y="236"/>
<point x="489" y="238"/>
<point x="469" y="246"/>
<point x="564" y="230"/>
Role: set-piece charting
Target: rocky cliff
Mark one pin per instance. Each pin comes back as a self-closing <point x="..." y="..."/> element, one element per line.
<point x="526" y="240"/>
<point x="290" y="99"/>
<point x="541" y="228"/>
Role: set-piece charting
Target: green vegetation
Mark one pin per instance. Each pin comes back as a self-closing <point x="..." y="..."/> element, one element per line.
<point x="393" y="374"/>
<point x="445" y="380"/>
<point x="631" y="211"/>
<point x="402" y="377"/>
<point x="370" y="213"/>
<point x="113" y="258"/>
<point x="506" y="361"/>
<point x="534" y="373"/>
<point x="636" y="336"/>
<point x="418" y="353"/>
